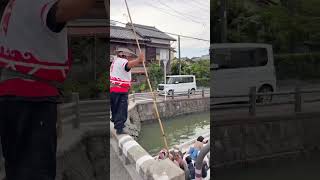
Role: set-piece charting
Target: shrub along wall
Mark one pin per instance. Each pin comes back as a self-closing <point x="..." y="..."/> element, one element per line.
<point x="298" y="66"/>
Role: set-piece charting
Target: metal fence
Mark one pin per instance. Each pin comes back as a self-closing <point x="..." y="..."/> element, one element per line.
<point x="253" y="103"/>
<point x="187" y="94"/>
<point x="78" y="112"/>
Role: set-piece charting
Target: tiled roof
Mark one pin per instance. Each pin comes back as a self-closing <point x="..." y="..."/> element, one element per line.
<point x="123" y="33"/>
<point x="150" y="32"/>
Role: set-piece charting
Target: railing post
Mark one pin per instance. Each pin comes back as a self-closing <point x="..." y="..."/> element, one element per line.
<point x="188" y="93"/>
<point x="133" y="96"/>
<point x="202" y="92"/>
<point x="253" y="101"/>
<point x="76" y="121"/>
<point x="298" y="100"/>
<point x="172" y="94"/>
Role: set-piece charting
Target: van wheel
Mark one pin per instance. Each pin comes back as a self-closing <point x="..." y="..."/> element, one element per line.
<point x="193" y="91"/>
<point x="265" y="98"/>
<point x="170" y="93"/>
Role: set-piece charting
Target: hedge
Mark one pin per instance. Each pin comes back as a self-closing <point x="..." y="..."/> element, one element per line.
<point x="297" y="66"/>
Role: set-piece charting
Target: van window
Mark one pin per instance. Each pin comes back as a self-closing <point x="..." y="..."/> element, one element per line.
<point x="172" y="80"/>
<point x="240" y="57"/>
<point x="187" y="79"/>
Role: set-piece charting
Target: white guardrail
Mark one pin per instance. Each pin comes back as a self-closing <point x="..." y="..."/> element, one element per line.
<point x="147" y="96"/>
<point x="78" y="112"/>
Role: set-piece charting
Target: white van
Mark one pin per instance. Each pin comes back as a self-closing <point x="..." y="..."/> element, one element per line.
<point x="178" y="84"/>
<point x="236" y="67"/>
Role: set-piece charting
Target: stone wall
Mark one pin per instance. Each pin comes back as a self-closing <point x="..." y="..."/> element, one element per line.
<point x="85" y="160"/>
<point x="252" y="139"/>
<point x="171" y="108"/>
<point x="142" y="162"/>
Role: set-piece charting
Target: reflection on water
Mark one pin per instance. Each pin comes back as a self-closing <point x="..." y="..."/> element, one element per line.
<point x="178" y="130"/>
<point x="300" y="169"/>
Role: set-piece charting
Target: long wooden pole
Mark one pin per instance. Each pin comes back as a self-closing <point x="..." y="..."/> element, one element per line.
<point x="148" y="80"/>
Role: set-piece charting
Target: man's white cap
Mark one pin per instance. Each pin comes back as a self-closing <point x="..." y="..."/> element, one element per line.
<point x="126" y="51"/>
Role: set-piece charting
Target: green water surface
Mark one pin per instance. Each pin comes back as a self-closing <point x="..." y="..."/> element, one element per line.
<point x="178" y="130"/>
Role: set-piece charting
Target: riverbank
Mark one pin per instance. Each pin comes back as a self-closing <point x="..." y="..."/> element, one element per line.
<point x="143" y="112"/>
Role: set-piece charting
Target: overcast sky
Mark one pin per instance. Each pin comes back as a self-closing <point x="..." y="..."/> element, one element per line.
<point x="185" y="17"/>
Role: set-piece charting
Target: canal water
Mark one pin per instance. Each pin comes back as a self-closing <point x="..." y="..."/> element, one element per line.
<point x="303" y="168"/>
<point x="178" y="130"/>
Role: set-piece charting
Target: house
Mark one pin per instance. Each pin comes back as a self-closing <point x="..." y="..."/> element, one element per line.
<point x="155" y="44"/>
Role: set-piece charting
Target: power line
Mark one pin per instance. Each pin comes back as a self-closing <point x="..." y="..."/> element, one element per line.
<point x="203" y="3"/>
<point x="198" y="5"/>
<point x="178" y="12"/>
<point x="166" y="12"/>
<point x="189" y="37"/>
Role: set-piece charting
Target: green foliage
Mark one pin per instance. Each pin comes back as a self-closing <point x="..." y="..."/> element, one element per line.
<point x="135" y="88"/>
<point x="287" y="25"/>
<point x="87" y="90"/>
<point x="155" y="74"/>
<point x="142" y="87"/>
<point x="103" y="84"/>
<point x="298" y="66"/>
<point x="201" y="69"/>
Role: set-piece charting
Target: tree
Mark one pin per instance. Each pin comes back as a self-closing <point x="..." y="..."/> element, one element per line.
<point x="155" y="74"/>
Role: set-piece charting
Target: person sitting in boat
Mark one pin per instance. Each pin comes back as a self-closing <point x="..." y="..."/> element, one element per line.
<point x="163" y="154"/>
<point x="205" y="169"/>
<point x="178" y="160"/>
<point x="190" y="167"/>
<point x="198" y="145"/>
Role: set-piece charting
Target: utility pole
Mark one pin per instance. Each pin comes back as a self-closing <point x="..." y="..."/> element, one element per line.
<point x="179" y="54"/>
<point x="223" y="20"/>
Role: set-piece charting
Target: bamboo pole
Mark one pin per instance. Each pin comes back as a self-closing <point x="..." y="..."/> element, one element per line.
<point x="148" y="80"/>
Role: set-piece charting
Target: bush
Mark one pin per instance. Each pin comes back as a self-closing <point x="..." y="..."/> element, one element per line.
<point x="86" y="90"/>
<point x="298" y="66"/>
<point x="203" y="82"/>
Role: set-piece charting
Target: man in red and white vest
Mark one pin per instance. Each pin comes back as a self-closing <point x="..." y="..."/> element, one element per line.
<point x="34" y="59"/>
<point x="120" y="83"/>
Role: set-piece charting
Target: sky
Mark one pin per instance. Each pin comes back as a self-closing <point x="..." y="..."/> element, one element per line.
<point x="185" y="17"/>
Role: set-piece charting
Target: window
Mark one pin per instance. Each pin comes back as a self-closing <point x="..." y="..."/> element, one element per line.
<point x="173" y="80"/>
<point x="187" y="79"/>
<point x="240" y="58"/>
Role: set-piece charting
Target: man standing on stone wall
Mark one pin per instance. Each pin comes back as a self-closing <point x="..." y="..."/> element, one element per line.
<point x="120" y="83"/>
<point x="34" y="59"/>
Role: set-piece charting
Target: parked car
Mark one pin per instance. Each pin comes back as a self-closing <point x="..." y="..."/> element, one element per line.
<point x="178" y="84"/>
<point x="236" y="67"/>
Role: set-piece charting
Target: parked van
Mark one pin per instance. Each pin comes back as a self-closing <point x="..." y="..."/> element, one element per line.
<point x="178" y="84"/>
<point x="236" y="67"/>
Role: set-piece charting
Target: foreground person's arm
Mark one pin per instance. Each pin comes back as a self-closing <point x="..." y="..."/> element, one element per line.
<point x="136" y="62"/>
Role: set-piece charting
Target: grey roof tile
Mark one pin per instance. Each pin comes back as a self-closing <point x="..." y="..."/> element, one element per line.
<point x="123" y="33"/>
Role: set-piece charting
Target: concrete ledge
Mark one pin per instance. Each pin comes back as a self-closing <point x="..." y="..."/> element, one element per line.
<point x="146" y="166"/>
<point x="82" y="154"/>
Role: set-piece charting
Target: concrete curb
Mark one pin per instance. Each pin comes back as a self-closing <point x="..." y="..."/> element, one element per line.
<point x="146" y="166"/>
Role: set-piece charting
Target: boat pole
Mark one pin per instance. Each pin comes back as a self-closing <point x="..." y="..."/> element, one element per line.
<point x="148" y="80"/>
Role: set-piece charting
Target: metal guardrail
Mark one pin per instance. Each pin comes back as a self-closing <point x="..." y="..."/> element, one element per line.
<point x="76" y="111"/>
<point x="133" y="97"/>
<point x="253" y="97"/>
